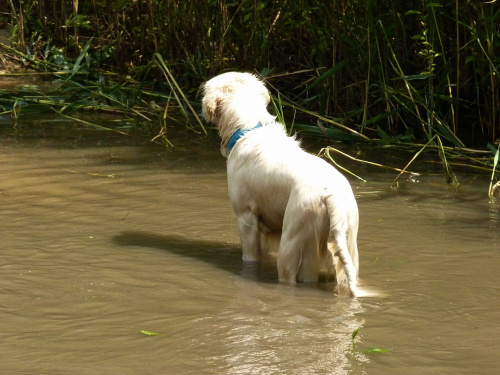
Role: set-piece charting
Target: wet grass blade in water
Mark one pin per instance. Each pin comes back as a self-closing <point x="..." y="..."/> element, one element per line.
<point x="367" y="351"/>
<point x="450" y="176"/>
<point x="327" y="149"/>
<point x="353" y="336"/>
<point x="326" y="152"/>
<point x="412" y="160"/>
<point x="87" y="123"/>
<point x="494" y="189"/>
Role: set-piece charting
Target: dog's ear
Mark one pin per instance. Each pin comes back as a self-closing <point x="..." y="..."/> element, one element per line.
<point x="211" y="105"/>
<point x="268" y="98"/>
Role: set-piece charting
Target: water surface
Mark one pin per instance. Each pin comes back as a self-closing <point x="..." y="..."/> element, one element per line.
<point x="104" y="236"/>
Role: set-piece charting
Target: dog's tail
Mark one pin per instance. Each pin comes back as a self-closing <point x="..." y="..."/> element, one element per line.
<point x="342" y="239"/>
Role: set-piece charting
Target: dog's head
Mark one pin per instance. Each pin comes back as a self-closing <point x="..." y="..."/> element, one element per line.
<point x="235" y="101"/>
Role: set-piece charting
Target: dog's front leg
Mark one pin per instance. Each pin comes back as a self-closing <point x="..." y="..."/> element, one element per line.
<point x="248" y="225"/>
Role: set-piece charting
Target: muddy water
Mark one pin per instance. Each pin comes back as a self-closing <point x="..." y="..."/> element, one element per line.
<point x="103" y="236"/>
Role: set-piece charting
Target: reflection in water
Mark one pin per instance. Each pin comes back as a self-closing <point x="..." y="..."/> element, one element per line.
<point x="289" y="332"/>
<point x="494" y="208"/>
<point x="266" y="326"/>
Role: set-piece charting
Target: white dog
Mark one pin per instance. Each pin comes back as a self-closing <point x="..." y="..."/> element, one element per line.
<point x="280" y="191"/>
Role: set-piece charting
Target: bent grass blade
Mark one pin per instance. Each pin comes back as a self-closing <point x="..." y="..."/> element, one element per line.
<point x="496" y="187"/>
<point x="367" y="351"/>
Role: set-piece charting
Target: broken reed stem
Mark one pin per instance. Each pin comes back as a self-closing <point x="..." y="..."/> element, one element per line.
<point x="329" y="148"/>
<point x="412" y="160"/>
<point x="326" y="152"/>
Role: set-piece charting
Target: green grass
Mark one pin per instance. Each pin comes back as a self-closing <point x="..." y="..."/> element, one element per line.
<point x="413" y="68"/>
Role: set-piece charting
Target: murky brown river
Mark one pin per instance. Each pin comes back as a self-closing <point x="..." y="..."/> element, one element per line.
<point x="103" y="236"/>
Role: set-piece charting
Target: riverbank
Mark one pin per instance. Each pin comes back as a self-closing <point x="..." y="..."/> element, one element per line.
<point x="399" y="71"/>
<point x="398" y="84"/>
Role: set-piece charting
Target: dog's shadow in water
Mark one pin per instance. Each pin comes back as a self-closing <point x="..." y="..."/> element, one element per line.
<point x="219" y="254"/>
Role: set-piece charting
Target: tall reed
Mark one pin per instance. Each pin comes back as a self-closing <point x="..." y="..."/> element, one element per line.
<point x="410" y="69"/>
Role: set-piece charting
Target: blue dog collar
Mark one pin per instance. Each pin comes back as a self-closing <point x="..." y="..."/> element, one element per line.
<point x="237" y="135"/>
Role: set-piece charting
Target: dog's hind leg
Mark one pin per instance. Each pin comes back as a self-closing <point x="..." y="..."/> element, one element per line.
<point x="249" y="230"/>
<point x="298" y="257"/>
<point x="298" y="261"/>
<point x="310" y="264"/>
<point x="289" y="259"/>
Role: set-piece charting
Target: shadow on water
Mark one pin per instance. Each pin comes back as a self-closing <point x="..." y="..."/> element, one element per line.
<point x="219" y="254"/>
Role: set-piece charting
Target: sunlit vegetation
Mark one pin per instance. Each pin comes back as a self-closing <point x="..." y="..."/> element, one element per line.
<point x="415" y="72"/>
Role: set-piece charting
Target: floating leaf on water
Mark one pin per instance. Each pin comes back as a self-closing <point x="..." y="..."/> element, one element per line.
<point x="376" y="350"/>
<point x="149" y="333"/>
<point x="367" y="351"/>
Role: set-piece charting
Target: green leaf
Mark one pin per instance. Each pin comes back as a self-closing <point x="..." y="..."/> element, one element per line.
<point x="410" y="12"/>
<point x="493" y="149"/>
<point x="381" y="117"/>
<point x="386" y="139"/>
<point x="78" y="61"/>
<point x="469" y="59"/>
<point x="327" y="74"/>
<point x="355" y="333"/>
<point x="33" y="108"/>
<point x="149" y="333"/>
<point x="376" y="350"/>
<point x="414" y="77"/>
<point x="446" y="132"/>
